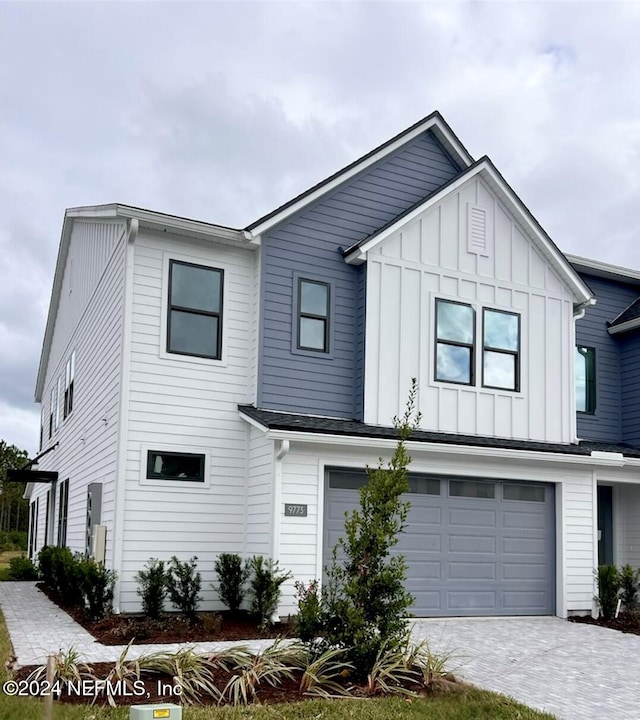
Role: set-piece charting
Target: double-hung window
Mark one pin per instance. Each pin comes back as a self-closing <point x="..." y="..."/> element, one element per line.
<point x="313" y="315"/>
<point x="585" y="379"/>
<point x="500" y="350"/>
<point x="195" y="310"/>
<point x="455" y="340"/>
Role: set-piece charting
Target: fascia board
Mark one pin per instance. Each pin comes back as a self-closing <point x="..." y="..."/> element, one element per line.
<point x="624" y="327"/>
<point x="451" y="143"/>
<point x="254" y="423"/>
<point x="444" y="448"/>
<point x="605" y="270"/>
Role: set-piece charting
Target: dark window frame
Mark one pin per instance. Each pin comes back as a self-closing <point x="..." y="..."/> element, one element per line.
<point x="516" y="354"/>
<point x="63" y="512"/>
<point x="326" y="319"/>
<point x="192" y="311"/>
<point x="471" y="346"/>
<point x="69" y="378"/>
<point x="589" y="355"/>
<point x="151" y="475"/>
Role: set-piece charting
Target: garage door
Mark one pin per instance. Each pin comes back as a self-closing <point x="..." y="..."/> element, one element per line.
<point x="473" y="546"/>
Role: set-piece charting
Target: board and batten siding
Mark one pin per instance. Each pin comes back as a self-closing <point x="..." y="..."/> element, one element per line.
<point x="88" y="438"/>
<point x="180" y="403"/>
<point x="310" y="244"/>
<point x="427" y="259"/>
<point x="303" y="481"/>
<point x="591" y="331"/>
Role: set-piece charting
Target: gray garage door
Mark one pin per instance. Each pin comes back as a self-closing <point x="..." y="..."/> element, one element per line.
<point x="473" y="546"/>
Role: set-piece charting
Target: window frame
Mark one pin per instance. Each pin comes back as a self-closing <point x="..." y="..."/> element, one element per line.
<point x="63" y="513"/>
<point x="471" y="346"/>
<point x="516" y="354"/>
<point x="169" y="478"/>
<point x="300" y="315"/>
<point x="202" y="313"/>
<point x="590" y="383"/>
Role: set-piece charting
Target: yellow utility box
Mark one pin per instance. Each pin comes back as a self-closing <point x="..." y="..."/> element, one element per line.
<point x="156" y="712"/>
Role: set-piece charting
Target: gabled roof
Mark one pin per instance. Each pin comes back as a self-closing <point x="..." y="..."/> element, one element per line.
<point x="628" y="319"/>
<point x="484" y="168"/>
<point x="145" y="218"/>
<point x="434" y="122"/>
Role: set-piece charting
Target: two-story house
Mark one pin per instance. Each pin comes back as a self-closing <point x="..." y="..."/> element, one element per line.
<point x="208" y="389"/>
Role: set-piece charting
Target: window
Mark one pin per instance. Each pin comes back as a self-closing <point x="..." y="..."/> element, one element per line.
<point x="69" y="376"/>
<point x="501" y="350"/>
<point x="34" y="509"/>
<point x="56" y="414"/>
<point x="471" y="489"/>
<point x="585" y="376"/>
<point x="523" y="493"/>
<point x="313" y="315"/>
<point x="194" y="322"/>
<point x="175" y="466"/>
<point x="52" y="406"/>
<point x="63" y="510"/>
<point x="46" y="518"/>
<point x="455" y="340"/>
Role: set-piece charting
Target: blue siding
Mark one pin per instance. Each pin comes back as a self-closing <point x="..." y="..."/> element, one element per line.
<point x="612" y="298"/>
<point x="361" y="295"/>
<point x="630" y="386"/>
<point x="310" y="242"/>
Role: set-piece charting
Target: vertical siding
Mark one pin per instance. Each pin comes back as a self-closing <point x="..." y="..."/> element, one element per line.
<point x="88" y="438"/>
<point x="181" y="403"/>
<point x="630" y="386"/>
<point x="591" y="331"/>
<point x="259" y="502"/>
<point x="428" y="258"/>
<point x="311" y="243"/>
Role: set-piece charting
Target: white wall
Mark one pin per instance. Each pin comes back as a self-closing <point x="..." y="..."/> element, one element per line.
<point x="180" y="403"/>
<point x="428" y="259"/>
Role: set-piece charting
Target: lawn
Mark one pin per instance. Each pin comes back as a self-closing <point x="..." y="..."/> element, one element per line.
<point x="464" y="704"/>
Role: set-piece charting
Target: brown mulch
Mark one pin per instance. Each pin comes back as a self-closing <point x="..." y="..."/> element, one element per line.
<point x="626" y="622"/>
<point x="172" y="627"/>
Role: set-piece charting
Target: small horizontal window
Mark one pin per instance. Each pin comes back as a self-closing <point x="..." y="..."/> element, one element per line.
<point x="175" y="466"/>
<point x="471" y="489"/>
<point x="525" y="493"/>
<point x="422" y="485"/>
<point x="347" y="479"/>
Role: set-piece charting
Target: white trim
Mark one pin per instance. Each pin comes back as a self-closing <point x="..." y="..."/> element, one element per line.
<point x="605" y="270"/>
<point x="623" y="327"/>
<point x="594" y="521"/>
<point x="191" y="486"/>
<point x="435" y="123"/>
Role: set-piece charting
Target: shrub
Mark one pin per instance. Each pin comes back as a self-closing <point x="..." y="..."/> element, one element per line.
<point x="152" y="587"/>
<point x="309" y="619"/>
<point x="97" y="588"/>
<point x="608" y="578"/>
<point x="365" y="603"/>
<point x="45" y="565"/>
<point x="232" y="575"/>
<point x="183" y="586"/>
<point x="21" y="568"/>
<point x="629" y="586"/>
<point x="18" y="539"/>
<point x="265" y="587"/>
<point x="63" y="572"/>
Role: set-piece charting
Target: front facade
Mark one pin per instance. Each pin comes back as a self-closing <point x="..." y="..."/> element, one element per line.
<point x="209" y="390"/>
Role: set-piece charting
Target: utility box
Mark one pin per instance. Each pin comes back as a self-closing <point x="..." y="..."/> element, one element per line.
<point x="99" y="545"/>
<point x="155" y="712"/>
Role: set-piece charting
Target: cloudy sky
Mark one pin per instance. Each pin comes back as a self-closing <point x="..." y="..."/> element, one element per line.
<point x="221" y="111"/>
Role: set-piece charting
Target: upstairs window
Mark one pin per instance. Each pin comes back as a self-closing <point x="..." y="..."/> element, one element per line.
<point x="501" y="350"/>
<point x="585" y="377"/>
<point x="69" y="376"/>
<point x="52" y="409"/>
<point x="195" y="310"/>
<point x="455" y="340"/>
<point x="313" y="315"/>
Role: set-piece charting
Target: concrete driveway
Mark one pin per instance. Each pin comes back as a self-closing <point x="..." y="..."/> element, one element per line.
<point x="574" y="671"/>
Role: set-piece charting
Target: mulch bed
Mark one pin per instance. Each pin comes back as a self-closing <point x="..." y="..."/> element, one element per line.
<point x="626" y="622"/>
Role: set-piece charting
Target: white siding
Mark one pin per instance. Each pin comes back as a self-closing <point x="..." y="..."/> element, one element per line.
<point x="580" y="551"/>
<point x="429" y="258"/>
<point x="87" y="439"/>
<point x="178" y="403"/>
<point x="259" y="503"/>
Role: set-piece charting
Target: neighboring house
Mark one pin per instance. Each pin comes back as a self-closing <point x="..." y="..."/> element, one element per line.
<point x="215" y="390"/>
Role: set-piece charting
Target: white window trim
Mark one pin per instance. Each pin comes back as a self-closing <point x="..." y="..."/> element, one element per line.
<point x="173" y="485"/>
<point x="167" y="256"/>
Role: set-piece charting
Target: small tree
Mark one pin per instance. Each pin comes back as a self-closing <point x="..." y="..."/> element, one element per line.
<point x="608" y="578"/>
<point x="365" y="603"/>
<point x="152" y="587"/>
<point x="183" y="585"/>
<point x="629" y="586"/>
<point x="232" y="575"/>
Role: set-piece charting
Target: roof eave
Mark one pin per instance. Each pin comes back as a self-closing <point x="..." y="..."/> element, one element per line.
<point x="624" y="327"/>
<point x="604" y="270"/>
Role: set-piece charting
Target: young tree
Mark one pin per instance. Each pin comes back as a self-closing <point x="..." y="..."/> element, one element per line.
<point x="13" y="508"/>
<point x="365" y="604"/>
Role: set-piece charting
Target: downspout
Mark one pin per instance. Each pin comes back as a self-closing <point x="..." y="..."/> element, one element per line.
<point x="123" y="411"/>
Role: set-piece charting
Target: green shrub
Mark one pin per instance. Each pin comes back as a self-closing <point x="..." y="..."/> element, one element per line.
<point x="183" y="585"/>
<point x="152" y="587"/>
<point x="18" y="539"/>
<point x="309" y="621"/>
<point x="21" y="568"/>
<point x="232" y="575"/>
<point x="608" y="578"/>
<point x="45" y="565"/>
<point x="265" y="587"/>
<point x="97" y="588"/>
<point x="66" y="573"/>
<point x="365" y="604"/>
<point x="629" y="586"/>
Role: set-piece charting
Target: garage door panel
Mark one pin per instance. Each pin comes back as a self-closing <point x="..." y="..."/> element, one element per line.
<point x="472" y="571"/>
<point x="525" y="571"/>
<point x="526" y="601"/>
<point x="536" y="521"/>
<point x="472" y="543"/>
<point x="524" y="545"/>
<point x="468" y="517"/>
<point x="472" y="600"/>
<point x="422" y="542"/>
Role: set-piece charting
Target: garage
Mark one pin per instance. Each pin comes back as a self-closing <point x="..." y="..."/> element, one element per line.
<point x="474" y="546"/>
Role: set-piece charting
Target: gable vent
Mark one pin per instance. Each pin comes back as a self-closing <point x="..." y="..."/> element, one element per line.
<point x="477" y="230"/>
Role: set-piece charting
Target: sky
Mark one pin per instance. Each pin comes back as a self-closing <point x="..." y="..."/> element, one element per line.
<point x="222" y="111"/>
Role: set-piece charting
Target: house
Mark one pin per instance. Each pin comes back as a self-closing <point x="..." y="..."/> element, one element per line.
<point x="207" y="389"/>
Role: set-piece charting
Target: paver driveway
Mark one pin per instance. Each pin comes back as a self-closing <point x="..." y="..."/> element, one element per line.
<point x="576" y="672"/>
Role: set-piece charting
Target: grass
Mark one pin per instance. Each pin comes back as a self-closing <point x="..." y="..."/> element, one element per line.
<point x="466" y="704"/>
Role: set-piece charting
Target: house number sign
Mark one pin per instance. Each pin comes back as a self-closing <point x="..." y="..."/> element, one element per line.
<point x="295" y="510"/>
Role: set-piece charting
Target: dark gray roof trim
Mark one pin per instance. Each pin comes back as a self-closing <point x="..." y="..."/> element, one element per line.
<point x="631" y="312"/>
<point x="332" y="426"/>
